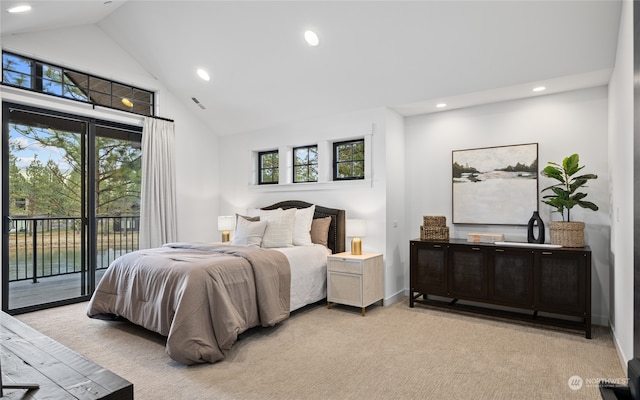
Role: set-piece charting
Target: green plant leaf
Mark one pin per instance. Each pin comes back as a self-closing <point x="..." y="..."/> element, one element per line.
<point x="570" y="164"/>
<point x="578" y="196"/>
<point x="589" y="205"/>
<point x="553" y="172"/>
<point x="565" y="194"/>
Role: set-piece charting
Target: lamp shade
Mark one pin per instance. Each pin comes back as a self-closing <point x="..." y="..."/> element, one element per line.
<point x="356" y="228"/>
<point x="226" y="223"/>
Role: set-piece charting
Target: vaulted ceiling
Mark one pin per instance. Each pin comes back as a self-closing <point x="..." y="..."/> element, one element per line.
<point x="407" y="56"/>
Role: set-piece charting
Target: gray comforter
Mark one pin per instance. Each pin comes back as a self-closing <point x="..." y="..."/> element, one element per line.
<point x="201" y="297"/>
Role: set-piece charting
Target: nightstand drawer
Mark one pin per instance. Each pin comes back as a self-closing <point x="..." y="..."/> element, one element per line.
<point x="347" y="266"/>
<point x="344" y="288"/>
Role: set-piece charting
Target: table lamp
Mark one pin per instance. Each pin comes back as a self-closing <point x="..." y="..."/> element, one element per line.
<point x="226" y="223"/>
<point x="356" y="229"/>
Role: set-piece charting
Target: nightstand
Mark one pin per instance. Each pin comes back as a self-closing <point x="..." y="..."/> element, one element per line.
<point x="355" y="280"/>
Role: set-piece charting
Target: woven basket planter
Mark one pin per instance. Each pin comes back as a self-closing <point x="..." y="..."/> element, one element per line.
<point x="567" y="234"/>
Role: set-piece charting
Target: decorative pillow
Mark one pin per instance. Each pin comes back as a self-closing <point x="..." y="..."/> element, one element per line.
<point x="249" y="233"/>
<point x="320" y="231"/>
<point x="257" y="218"/>
<point x="279" y="232"/>
<point x="302" y="226"/>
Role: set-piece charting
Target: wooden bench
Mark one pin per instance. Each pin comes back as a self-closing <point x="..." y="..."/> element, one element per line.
<point x="31" y="358"/>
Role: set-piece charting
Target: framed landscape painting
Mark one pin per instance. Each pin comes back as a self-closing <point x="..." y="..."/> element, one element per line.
<point x="495" y="185"/>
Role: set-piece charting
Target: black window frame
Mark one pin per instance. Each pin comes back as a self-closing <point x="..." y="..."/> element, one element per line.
<point x="308" y="164"/>
<point x="275" y="167"/>
<point x="352" y="160"/>
<point x="80" y="86"/>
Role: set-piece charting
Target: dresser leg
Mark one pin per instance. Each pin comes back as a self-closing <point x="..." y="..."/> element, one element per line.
<point x="363" y="311"/>
<point x="328" y="305"/>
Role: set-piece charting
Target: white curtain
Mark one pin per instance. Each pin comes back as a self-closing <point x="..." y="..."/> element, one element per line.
<point x="158" y="221"/>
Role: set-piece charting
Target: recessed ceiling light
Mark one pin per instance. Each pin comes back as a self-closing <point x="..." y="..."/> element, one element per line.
<point x="441" y="105"/>
<point x="203" y="74"/>
<point x="127" y="102"/>
<point x="539" y="89"/>
<point x="19" y="9"/>
<point x="311" y="38"/>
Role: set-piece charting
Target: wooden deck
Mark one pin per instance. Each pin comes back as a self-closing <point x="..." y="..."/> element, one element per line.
<point x="46" y="290"/>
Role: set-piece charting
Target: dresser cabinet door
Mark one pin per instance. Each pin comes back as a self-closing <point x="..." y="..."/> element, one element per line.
<point x="511" y="277"/>
<point x="468" y="272"/>
<point x="561" y="282"/>
<point x="428" y="269"/>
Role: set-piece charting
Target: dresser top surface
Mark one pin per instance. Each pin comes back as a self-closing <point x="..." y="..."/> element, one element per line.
<point x="516" y="245"/>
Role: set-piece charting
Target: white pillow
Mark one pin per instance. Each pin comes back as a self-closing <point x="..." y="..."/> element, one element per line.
<point x="279" y="232"/>
<point x="249" y="233"/>
<point x="302" y="226"/>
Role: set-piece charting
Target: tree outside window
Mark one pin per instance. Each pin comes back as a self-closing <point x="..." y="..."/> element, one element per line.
<point x="268" y="167"/>
<point x="348" y="160"/>
<point x="305" y="164"/>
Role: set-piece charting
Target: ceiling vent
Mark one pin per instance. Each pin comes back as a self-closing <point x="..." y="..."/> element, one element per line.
<point x="197" y="102"/>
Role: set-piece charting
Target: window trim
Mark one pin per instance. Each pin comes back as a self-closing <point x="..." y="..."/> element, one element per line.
<point x="308" y="164"/>
<point x="37" y="78"/>
<point x="335" y="160"/>
<point x="260" y="169"/>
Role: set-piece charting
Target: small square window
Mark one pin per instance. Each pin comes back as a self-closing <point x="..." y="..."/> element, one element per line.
<point x="348" y="160"/>
<point x="268" y="167"/>
<point x="305" y="164"/>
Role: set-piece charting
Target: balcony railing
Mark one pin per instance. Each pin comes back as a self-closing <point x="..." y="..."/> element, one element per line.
<point x="51" y="246"/>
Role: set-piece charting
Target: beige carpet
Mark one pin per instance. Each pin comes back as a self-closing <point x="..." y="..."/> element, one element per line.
<point x="394" y="352"/>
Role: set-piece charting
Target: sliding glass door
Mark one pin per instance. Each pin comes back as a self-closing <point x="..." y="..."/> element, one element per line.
<point x="71" y="194"/>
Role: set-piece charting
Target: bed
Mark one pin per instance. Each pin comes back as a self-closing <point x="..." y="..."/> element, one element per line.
<point x="201" y="296"/>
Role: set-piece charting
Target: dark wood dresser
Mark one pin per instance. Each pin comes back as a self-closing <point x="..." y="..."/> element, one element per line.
<point x="28" y="357"/>
<point x="547" y="286"/>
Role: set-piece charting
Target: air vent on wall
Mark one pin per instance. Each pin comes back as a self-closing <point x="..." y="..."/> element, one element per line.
<point x="197" y="102"/>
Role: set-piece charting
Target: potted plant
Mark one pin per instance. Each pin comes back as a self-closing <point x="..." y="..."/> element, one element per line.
<point x="566" y="195"/>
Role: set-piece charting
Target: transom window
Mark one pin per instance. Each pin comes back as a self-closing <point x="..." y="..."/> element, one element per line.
<point x="28" y="73"/>
<point x="348" y="160"/>
<point x="305" y="164"/>
<point x="268" y="167"/>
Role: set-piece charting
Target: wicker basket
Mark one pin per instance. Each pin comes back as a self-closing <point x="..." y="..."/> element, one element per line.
<point x="434" y="220"/>
<point x="567" y="234"/>
<point x="434" y="232"/>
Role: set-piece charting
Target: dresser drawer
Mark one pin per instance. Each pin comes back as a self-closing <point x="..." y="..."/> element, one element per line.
<point x="347" y="266"/>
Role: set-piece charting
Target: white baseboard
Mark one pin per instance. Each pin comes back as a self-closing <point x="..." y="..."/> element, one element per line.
<point x="398" y="296"/>
<point x="621" y="357"/>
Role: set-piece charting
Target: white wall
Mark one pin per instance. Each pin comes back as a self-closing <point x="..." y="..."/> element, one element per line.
<point x="88" y="49"/>
<point x="359" y="199"/>
<point x="621" y="144"/>
<point x="561" y="124"/>
<point x="366" y="200"/>
<point x="397" y="240"/>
